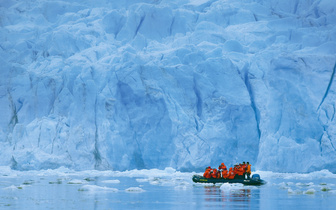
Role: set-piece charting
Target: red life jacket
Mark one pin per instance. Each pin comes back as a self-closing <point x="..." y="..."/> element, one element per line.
<point x="225" y="174"/>
<point x="231" y="174"/>
<point x="240" y="171"/>
<point x="222" y="166"/>
<point x="214" y="173"/>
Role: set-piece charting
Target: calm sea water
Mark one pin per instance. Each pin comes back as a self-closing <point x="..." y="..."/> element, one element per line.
<point x="103" y="192"/>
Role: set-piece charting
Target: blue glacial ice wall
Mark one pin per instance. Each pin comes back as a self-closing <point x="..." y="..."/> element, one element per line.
<point x="149" y="84"/>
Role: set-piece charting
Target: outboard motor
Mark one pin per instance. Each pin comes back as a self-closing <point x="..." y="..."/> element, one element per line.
<point x="256" y="177"/>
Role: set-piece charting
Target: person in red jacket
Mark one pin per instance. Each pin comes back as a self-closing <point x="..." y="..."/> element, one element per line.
<point x="222" y="166"/>
<point x="221" y="170"/>
<point x="235" y="169"/>
<point x="214" y="173"/>
<point x="240" y="172"/>
<point x="207" y="173"/>
<point x="231" y="174"/>
<point x="225" y="174"/>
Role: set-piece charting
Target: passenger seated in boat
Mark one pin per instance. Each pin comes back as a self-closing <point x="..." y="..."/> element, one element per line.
<point x="225" y="174"/>
<point x="222" y="166"/>
<point x="214" y="173"/>
<point x="231" y="174"/>
<point x="207" y="173"/>
<point x="221" y="170"/>
<point x="239" y="172"/>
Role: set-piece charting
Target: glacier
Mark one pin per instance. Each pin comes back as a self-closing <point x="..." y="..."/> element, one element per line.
<point x="141" y="84"/>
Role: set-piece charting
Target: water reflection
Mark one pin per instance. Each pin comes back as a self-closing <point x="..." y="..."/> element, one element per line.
<point x="232" y="196"/>
<point x="212" y="194"/>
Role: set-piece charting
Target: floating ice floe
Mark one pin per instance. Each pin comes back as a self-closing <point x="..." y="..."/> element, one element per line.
<point x="294" y="192"/>
<point x="290" y="191"/>
<point x="96" y="188"/>
<point x="306" y="188"/>
<point x="13" y="187"/>
<point x="325" y="189"/>
<point x="299" y="184"/>
<point x="114" y="181"/>
<point x="310" y="191"/>
<point x="77" y="181"/>
<point x="142" y="180"/>
<point x="135" y="190"/>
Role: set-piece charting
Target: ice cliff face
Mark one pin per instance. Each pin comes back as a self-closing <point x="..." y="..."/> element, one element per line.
<point x="149" y="84"/>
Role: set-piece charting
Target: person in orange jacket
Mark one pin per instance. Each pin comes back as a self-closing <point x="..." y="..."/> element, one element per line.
<point x="235" y="169"/>
<point x="225" y="174"/>
<point x="214" y="173"/>
<point x="222" y="166"/>
<point x="207" y="173"/>
<point x="231" y="174"/>
<point x="221" y="170"/>
<point x="240" y="172"/>
<point x="248" y="170"/>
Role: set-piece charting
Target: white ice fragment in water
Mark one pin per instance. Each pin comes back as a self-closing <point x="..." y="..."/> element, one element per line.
<point x="13" y="187"/>
<point x="299" y="184"/>
<point x="76" y="181"/>
<point x="95" y="188"/>
<point x="155" y="181"/>
<point x="291" y="191"/>
<point x="284" y="185"/>
<point x="325" y="189"/>
<point x="115" y="181"/>
<point x="299" y="192"/>
<point x="310" y="191"/>
<point x="142" y="180"/>
<point x="135" y="189"/>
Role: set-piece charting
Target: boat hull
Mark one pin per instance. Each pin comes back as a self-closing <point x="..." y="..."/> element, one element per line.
<point x="202" y="179"/>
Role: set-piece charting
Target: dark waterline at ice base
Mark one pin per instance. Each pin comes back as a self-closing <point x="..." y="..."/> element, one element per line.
<point x="160" y="189"/>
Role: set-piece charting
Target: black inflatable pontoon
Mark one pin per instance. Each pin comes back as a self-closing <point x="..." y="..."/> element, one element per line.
<point x="255" y="180"/>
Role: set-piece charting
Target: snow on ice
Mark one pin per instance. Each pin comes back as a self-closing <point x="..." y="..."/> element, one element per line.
<point x="153" y="84"/>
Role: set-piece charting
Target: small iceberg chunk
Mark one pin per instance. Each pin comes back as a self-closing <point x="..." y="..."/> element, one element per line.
<point x="95" y="188"/>
<point x="114" y="181"/>
<point x="76" y="181"/>
<point x="135" y="190"/>
<point x="310" y="192"/>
